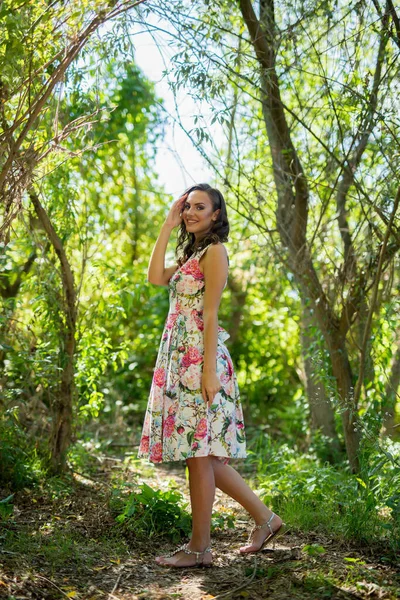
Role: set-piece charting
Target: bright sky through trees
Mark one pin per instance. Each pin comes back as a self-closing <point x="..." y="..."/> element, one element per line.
<point x="178" y="162"/>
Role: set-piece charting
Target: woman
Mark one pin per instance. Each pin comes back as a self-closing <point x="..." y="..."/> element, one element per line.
<point x="194" y="411"/>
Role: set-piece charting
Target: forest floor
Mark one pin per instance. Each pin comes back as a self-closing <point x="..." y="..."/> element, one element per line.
<point x="63" y="542"/>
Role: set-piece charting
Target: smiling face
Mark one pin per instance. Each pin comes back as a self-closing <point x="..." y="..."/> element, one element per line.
<point x="198" y="214"/>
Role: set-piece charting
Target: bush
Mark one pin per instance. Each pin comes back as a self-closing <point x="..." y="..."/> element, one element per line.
<point x="320" y="497"/>
<point x="20" y="464"/>
<point x="149" y="513"/>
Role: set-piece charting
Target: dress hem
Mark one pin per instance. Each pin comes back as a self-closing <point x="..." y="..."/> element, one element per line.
<point x="219" y="456"/>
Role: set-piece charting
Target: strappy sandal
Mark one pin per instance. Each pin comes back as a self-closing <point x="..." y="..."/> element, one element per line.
<point x="186" y="550"/>
<point x="273" y="534"/>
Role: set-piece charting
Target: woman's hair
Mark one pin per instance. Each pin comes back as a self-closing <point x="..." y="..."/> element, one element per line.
<point x="219" y="231"/>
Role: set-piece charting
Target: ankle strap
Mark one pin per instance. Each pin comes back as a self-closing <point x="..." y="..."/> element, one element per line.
<point x="198" y="554"/>
<point x="267" y="523"/>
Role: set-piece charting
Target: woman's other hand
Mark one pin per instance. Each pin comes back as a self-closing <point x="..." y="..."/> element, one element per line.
<point x="174" y="217"/>
<point x="210" y="386"/>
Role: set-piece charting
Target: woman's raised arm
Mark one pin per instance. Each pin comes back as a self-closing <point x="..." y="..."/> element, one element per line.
<point x="156" y="272"/>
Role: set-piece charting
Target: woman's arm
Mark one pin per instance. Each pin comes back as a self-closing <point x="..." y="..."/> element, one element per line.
<point x="157" y="273"/>
<point x="215" y="269"/>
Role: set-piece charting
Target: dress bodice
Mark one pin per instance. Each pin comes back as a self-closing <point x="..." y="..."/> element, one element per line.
<point x="186" y="294"/>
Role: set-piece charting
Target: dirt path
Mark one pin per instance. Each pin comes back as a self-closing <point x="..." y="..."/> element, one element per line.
<point x="64" y="543"/>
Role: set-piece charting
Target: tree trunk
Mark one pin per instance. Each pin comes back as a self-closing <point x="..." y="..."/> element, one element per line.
<point x="391" y="396"/>
<point x="62" y="407"/>
<point x="238" y="302"/>
<point x="361" y="324"/>
<point x="292" y="213"/>
<point x="136" y="213"/>
<point x="321" y="409"/>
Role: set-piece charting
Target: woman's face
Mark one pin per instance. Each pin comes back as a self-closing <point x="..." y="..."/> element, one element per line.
<point x="198" y="214"/>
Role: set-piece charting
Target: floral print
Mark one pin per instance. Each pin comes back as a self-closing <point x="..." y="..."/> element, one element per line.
<point x="178" y="423"/>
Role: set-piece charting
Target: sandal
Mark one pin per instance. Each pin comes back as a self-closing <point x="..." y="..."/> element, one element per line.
<point x="273" y="534"/>
<point x="186" y="550"/>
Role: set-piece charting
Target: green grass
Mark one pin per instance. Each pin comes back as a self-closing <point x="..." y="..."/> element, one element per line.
<point x="328" y="499"/>
<point x="59" y="547"/>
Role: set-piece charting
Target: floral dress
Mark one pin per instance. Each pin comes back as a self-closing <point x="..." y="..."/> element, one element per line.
<point x="178" y="422"/>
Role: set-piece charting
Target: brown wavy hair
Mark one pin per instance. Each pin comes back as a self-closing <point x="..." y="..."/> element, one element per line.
<point x="219" y="231"/>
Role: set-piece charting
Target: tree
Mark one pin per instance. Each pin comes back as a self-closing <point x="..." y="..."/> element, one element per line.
<point x="326" y="129"/>
<point x="42" y="41"/>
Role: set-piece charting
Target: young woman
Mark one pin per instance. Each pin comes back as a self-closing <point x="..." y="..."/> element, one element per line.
<point x="194" y="411"/>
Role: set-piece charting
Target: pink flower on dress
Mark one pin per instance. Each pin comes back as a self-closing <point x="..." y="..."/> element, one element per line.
<point x="198" y="320"/>
<point x="190" y="323"/>
<point x="169" y="426"/>
<point x="172" y="409"/>
<point x="191" y="377"/>
<point x="191" y="267"/>
<point x="192" y="357"/>
<point x="230" y="366"/>
<point x="159" y="377"/>
<point x="230" y="388"/>
<point x="171" y="320"/>
<point x="239" y="413"/>
<point x="195" y="445"/>
<point x="189" y="286"/>
<point x="224" y="377"/>
<point x="180" y="429"/>
<point x="201" y="429"/>
<point x="156" y="452"/>
<point x="230" y="434"/>
<point x="144" y="444"/>
<point x="240" y="425"/>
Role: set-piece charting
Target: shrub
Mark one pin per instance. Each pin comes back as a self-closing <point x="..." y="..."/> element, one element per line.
<point x="149" y="513"/>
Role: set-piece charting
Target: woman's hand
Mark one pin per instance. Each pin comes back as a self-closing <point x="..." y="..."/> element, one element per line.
<point x="210" y="386"/>
<point x="174" y="217"/>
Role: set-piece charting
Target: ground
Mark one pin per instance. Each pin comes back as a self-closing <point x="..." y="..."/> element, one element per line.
<point x="63" y="542"/>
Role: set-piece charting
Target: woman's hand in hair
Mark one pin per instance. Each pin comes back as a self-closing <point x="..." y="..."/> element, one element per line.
<point x="174" y="217"/>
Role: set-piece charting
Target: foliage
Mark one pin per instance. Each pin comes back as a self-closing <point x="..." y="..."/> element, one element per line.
<point x="152" y="513"/>
<point x="21" y="465"/>
<point x="6" y="508"/>
<point x="326" y="499"/>
<point x="149" y="513"/>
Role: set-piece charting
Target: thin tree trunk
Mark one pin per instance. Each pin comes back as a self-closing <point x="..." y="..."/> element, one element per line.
<point x="238" y="302"/>
<point x="292" y="214"/>
<point x="136" y="213"/>
<point x="62" y="407"/>
<point x="321" y="409"/>
<point x="361" y="324"/>
<point x="391" y="396"/>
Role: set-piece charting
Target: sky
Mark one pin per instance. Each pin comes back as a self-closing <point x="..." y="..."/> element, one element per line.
<point x="178" y="162"/>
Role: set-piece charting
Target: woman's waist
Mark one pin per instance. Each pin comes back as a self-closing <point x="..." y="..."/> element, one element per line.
<point x="192" y="319"/>
<point x="185" y="310"/>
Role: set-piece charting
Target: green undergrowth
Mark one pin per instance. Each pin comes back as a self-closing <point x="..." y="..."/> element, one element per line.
<point x="320" y="578"/>
<point x="57" y="546"/>
<point x="21" y="462"/>
<point x="148" y="512"/>
<point x="327" y="499"/>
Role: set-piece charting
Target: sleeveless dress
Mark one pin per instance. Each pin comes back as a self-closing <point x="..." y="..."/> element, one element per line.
<point x="178" y="422"/>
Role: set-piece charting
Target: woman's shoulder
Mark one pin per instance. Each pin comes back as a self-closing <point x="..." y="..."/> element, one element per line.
<point x="219" y="248"/>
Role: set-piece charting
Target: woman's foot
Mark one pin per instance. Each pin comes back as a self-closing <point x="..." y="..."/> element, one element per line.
<point x="262" y="533"/>
<point x="184" y="556"/>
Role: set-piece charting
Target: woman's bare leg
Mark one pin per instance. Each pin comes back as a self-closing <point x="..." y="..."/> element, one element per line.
<point x="202" y="493"/>
<point x="230" y="482"/>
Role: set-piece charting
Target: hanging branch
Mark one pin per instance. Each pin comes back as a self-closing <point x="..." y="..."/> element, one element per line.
<point x="17" y="170"/>
<point x="368" y="324"/>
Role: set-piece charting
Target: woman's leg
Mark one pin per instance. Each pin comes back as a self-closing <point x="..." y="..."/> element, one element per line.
<point x="202" y="493"/>
<point x="230" y="482"/>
